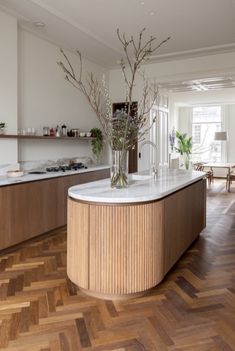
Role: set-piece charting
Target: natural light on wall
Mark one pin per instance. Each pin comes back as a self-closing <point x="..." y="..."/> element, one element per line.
<point x="205" y="122"/>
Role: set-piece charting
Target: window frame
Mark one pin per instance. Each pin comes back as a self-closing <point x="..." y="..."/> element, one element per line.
<point x="222" y="123"/>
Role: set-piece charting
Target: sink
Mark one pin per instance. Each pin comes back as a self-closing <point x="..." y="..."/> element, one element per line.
<point x="140" y="177"/>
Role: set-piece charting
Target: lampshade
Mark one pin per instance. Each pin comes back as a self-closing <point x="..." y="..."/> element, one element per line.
<point x="220" y="136"/>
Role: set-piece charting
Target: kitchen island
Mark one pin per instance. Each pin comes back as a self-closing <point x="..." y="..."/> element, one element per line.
<point x="122" y="242"/>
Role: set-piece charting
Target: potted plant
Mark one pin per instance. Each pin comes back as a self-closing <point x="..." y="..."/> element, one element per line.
<point x="184" y="147"/>
<point x="97" y="143"/>
<point x="2" y="127"/>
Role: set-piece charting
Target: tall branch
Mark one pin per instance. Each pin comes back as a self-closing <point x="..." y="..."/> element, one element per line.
<point x="124" y="129"/>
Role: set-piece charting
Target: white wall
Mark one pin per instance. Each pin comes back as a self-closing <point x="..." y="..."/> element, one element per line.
<point x="8" y="85"/>
<point x="34" y="93"/>
<point x="46" y="99"/>
<point x="185" y="120"/>
<point x="231" y="133"/>
<point x="173" y="113"/>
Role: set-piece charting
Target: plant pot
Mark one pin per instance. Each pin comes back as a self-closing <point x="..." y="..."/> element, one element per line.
<point x="119" y="169"/>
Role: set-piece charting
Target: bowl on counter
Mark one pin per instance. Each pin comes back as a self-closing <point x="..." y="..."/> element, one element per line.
<point x="15" y="174"/>
<point x="88" y="134"/>
<point x="82" y="134"/>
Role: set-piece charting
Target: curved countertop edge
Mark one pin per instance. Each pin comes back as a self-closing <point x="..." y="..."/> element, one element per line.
<point x="138" y="191"/>
<point x="5" y="181"/>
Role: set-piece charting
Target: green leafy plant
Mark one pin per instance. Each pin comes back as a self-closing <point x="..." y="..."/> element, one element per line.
<point x="184" y="143"/>
<point x="97" y="143"/>
<point x="184" y="147"/>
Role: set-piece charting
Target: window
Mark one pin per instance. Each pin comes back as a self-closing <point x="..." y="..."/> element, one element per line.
<point x="205" y="122"/>
<point x="196" y="134"/>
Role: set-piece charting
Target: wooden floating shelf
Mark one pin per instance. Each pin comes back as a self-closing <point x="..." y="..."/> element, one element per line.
<point x="15" y="136"/>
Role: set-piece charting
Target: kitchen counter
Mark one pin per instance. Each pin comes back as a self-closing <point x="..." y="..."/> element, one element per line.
<point x="141" y="188"/>
<point x="38" y="203"/>
<point x="35" y="177"/>
<point x="122" y="242"/>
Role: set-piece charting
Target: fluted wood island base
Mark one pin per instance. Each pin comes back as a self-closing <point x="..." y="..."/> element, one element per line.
<point x="119" y="250"/>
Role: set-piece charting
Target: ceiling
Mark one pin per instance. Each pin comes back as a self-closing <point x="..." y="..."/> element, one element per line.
<point x="196" y="27"/>
<point x="212" y="83"/>
<point x="201" y="98"/>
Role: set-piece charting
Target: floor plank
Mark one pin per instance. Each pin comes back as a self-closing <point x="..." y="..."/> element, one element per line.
<point x="193" y="309"/>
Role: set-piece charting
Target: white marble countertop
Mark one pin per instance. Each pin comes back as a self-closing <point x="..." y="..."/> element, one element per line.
<point x="141" y="188"/>
<point x="4" y="180"/>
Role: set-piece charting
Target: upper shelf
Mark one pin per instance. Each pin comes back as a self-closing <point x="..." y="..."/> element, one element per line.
<point x="16" y="136"/>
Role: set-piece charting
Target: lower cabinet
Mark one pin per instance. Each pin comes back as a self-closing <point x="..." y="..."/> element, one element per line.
<point x="184" y="219"/>
<point x="33" y="208"/>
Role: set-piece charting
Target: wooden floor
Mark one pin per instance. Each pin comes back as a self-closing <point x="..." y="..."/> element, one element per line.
<point x="192" y="310"/>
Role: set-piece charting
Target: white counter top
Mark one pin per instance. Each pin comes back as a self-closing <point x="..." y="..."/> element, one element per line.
<point x="34" y="177"/>
<point x="167" y="182"/>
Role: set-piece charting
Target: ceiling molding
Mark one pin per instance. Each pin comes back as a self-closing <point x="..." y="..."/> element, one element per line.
<point x="171" y="78"/>
<point x="73" y="23"/>
<point x="13" y="13"/>
<point x="212" y="50"/>
<point x="204" y="104"/>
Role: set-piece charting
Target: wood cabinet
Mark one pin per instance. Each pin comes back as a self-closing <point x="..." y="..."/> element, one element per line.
<point x="184" y="219"/>
<point x="33" y="208"/>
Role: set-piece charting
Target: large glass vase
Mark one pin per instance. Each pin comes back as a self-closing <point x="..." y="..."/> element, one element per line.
<point x="119" y="169"/>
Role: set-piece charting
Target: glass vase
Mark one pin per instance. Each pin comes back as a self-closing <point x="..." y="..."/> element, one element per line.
<point x="119" y="169"/>
<point x="186" y="158"/>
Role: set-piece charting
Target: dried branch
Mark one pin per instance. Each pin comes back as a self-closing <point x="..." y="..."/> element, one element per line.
<point x="123" y="129"/>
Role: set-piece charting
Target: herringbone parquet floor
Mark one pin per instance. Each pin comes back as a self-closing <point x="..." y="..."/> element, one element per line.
<point x="192" y="310"/>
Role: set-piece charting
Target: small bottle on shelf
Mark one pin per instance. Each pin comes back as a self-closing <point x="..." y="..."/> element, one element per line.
<point x="57" y="132"/>
<point x="64" y="130"/>
<point x="52" y="132"/>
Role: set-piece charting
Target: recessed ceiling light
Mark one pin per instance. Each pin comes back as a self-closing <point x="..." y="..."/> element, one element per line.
<point x="142" y="3"/>
<point x="39" y="24"/>
<point x="152" y="13"/>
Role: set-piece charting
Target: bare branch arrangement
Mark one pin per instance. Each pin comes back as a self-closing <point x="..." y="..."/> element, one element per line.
<point x="124" y="129"/>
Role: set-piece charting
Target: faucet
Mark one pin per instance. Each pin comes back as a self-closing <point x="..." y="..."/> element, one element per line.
<point x="153" y="168"/>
